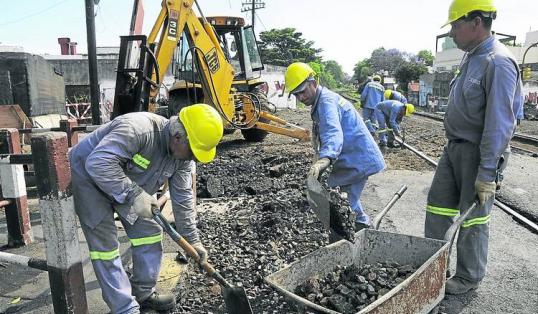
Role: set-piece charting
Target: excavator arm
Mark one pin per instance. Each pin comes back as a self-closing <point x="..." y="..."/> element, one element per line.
<point x="138" y="88"/>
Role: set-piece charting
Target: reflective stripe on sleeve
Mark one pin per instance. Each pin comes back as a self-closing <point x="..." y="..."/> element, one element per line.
<point x="141" y="161"/>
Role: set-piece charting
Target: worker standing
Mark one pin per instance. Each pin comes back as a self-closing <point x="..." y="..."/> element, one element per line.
<point x="371" y="95"/>
<point x="389" y="114"/>
<point x="118" y="168"/>
<point x="479" y="122"/>
<point x="340" y="138"/>
<point x="395" y="95"/>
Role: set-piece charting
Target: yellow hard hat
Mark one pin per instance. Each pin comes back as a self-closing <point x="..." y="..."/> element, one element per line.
<point x="204" y="130"/>
<point x="409" y="109"/>
<point x="460" y="8"/>
<point x="296" y="74"/>
<point x="376" y="78"/>
<point x="387" y="94"/>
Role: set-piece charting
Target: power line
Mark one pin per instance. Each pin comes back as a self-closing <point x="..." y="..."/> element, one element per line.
<point x="19" y="19"/>
<point x="253" y="6"/>
<point x="260" y="19"/>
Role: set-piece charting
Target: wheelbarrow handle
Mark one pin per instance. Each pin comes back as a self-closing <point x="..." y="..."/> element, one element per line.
<point x="450" y="234"/>
<point x="384" y="211"/>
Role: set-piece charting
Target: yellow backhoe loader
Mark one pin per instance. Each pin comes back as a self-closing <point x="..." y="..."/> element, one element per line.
<point x="213" y="60"/>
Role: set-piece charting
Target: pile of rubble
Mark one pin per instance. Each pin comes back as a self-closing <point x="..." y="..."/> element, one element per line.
<point x="350" y="289"/>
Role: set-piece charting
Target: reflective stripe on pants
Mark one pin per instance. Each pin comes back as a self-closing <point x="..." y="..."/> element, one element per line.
<point x="453" y="190"/>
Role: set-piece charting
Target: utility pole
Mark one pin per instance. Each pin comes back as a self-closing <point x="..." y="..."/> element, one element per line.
<point x="92" y="62"/>
<point x="253" y="6"/>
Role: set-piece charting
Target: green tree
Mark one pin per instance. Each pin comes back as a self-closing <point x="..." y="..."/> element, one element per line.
<point x="325" y="78"/>
<point x="407" y="72"/>
<point x="285" y="46"/>
<point x="387" y="60"/>
<point x="426" y="57"/>
<point x="335" y="69"/>
<point x="362" y="70"/>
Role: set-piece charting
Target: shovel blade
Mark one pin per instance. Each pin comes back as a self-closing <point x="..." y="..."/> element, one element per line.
<point x="318" y="198"/>
<point x="236" y="300"/>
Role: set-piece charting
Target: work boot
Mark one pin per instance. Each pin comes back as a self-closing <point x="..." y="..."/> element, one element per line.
<point x="382" y="147"/>
<point x="456" y="285"/>
<point x="393" y="145"/>
<point x="159" y="302"/>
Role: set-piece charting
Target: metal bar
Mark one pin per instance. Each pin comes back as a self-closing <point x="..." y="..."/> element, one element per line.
<point x="36" y="263"/>
<point x="393" y="200"/>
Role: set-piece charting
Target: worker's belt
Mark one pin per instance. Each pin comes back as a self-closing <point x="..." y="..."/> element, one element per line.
<point x="458" y="140"/>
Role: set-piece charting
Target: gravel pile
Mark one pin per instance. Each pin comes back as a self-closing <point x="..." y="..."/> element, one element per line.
<point x="349" y="289"/>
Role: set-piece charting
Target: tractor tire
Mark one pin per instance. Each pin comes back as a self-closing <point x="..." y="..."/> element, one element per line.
<point x="176" y="102"/>
<point x="255" y="135"/>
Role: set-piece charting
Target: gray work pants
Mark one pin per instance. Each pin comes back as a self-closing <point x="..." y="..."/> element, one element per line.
<point x="118" y="290"/>
<point x="452" y="192"/>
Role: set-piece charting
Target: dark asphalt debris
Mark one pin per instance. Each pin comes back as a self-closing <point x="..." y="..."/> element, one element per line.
<point x="349" y="289"/>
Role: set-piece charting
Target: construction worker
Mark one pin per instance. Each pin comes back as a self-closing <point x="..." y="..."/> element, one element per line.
<point x="340" y="138"/>
<point x="479" y="123"/>
<point x="389" y="114"/>
<point x="118" y="168"/>
<point x="395" y="95"/>
<point x="371" y="95"/>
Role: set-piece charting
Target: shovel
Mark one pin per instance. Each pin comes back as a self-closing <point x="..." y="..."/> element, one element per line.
<point x="235" y="297"/>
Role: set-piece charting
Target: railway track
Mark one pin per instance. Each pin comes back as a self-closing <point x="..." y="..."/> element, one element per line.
<point x="521" y="142"/>
<point x="526" y="222"/>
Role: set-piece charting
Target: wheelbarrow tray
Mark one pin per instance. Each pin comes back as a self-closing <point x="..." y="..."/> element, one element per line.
<point x="419" y="293"/>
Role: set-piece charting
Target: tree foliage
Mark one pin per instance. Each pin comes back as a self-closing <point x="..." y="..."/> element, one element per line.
<point x="335" y="69"/>
<point x="325" y="77"/>
<point x="407" y="72"/>
<point x="362" y="70"/>
<point x="426" y="56"/>
<point x="285" y="46"/>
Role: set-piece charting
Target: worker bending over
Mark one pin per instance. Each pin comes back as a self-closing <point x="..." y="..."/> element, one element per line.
<point x="340" y="138"/>
<point x="480" y="120"/>
<point x="371" y="95"/>
<point x="395" y="95"/>
<point x="118" y="168"/>
<point x="389" y="114"/>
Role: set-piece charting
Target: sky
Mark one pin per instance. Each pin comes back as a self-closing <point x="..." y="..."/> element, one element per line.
<point x="346" y="30"/>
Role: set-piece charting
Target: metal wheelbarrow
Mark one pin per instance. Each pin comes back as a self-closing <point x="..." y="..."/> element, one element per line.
<point x="419" y="293"/>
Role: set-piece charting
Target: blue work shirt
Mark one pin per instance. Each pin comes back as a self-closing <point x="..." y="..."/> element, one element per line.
<point x="484" y="101"/>
<point x="392" y="110"/>
<point x="398" y="96"/>
<point x="344" y="138"/>
<point x="371" y="95"/>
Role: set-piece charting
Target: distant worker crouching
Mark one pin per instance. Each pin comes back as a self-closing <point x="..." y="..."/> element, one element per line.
<point x="395" y="95"/>
<point x="389" y="115"/>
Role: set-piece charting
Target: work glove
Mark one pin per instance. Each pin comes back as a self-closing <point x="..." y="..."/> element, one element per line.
<point x="144" y="204"/>
<point x="484" y="190"/>
<point x="202" y="252"/>
<point x="318" y="167"/>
